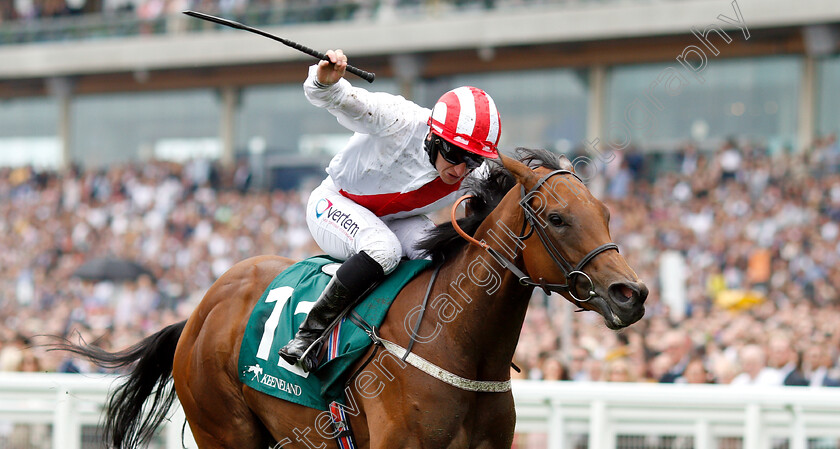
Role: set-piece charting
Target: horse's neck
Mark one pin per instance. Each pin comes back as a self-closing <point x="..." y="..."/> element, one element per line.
<point x="493" y="301"/>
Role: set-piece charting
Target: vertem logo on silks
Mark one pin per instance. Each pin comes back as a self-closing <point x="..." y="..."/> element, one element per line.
<point x="322" y="206"/>
<point x="340" y="219"/>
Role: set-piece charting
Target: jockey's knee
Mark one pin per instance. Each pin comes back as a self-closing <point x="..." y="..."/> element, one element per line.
<point x="381" y="246"/>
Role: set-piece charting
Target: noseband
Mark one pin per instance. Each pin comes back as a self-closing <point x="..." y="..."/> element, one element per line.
<point x="571" y="272"/>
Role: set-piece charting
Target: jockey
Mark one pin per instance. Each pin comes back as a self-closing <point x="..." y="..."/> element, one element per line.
<point x="402" y="162"/>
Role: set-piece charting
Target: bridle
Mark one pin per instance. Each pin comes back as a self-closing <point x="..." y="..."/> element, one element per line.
<point x="571" y="272"/>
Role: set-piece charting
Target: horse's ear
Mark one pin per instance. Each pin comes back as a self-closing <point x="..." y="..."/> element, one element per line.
<point x="523" y="174"/>
<point x="565" y="163"/>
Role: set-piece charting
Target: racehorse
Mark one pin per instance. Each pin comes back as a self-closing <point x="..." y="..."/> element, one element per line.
<point x="486" y="273"/>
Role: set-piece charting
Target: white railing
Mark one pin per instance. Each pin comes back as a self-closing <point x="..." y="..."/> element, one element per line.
<point x="29" y="403"/>
<point x="706" y="415"/>
<point x="569" y="414"/>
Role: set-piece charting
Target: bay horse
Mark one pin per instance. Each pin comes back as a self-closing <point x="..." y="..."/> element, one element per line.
<point x="470" y="329"/>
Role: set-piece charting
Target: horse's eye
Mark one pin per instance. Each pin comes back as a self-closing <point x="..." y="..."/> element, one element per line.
<point x="556" y="220"/>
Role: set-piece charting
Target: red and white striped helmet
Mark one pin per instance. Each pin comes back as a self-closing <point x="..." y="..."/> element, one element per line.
<point x="467" y="117"/>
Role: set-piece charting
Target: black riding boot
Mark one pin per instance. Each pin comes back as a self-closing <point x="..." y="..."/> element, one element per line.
<point x="355" y="276"/>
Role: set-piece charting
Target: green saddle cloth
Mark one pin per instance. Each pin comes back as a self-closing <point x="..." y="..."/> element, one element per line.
<point x="278" y="315"/>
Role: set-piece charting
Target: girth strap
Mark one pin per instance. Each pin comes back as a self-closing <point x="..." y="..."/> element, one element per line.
<point x="484" y="386"/>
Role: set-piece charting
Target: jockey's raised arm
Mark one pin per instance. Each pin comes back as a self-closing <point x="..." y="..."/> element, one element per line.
<point x="374" y="113"/>
<point x="402" y="162"/>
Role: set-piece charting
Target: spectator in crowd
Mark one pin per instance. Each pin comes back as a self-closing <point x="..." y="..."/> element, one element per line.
<point x="819" y="366"/>
<point x="30" y="362"/>
<point x="754" y="368"/>
<point x="784" y="359"/>
<point x="658" y="367"/>
<point x="724" y="371"/>
<point x="577" y="369"/>
<point x="619" y="370"/>
<point x="11" y="355"/>
<point x="678" y="348"/>
<point x="553" y="368"/>
<point x="593" y="369"/>
<point x="695" y="373"/>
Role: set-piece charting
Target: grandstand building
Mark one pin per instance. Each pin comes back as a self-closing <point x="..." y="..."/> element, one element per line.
<point x="570" y="75"/>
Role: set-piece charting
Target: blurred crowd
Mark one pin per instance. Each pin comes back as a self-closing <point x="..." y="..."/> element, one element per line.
<point x="186" y="224"/>
<point x="108" y="18"/>
<point x="760" y="228"/>
<point x="143" y="9"/>
<point x="153" y="9"/>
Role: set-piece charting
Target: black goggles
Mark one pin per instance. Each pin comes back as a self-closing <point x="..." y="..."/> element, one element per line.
<point x="456" y="156"/>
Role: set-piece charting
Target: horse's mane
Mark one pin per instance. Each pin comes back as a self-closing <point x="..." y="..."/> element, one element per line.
<point x="443" y="242"/>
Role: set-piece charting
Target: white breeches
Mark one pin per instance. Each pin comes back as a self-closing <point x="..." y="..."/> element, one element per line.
<point x="342" y="228"/>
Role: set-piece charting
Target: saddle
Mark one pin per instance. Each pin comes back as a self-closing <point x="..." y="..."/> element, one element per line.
<point x="280" y="311"/>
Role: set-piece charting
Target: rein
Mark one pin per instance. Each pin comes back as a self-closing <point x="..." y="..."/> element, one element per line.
<point x="570" y="272"/>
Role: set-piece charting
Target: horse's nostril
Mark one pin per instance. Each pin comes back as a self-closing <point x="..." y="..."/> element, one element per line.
<point x="624" y="293"/>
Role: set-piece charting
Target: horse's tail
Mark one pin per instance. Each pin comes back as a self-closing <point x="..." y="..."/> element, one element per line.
<point x="128" y="425"/>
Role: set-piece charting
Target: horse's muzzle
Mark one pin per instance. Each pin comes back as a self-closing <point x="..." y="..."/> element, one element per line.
<point x="625" y="303"/>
